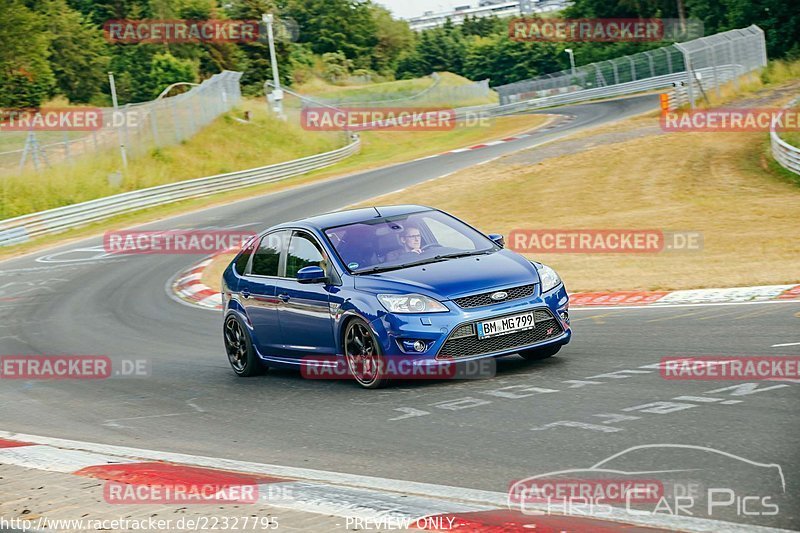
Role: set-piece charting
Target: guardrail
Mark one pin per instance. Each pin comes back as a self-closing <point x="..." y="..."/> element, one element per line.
<point x="23" y="228"/>
<point x="785" y="154"/>
<point x="726" y="72"/>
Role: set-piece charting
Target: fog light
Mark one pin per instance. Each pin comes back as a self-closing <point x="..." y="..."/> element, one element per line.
<point x="564" y="316"/>
<point x="414" y="346"/>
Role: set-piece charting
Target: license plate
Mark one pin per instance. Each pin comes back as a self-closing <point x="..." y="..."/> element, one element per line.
<point x="505" y="325"/>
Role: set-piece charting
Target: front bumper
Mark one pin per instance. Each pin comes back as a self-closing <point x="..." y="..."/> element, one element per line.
<point x="446" y="335"/>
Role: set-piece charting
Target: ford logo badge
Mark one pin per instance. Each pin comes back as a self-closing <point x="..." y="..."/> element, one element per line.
<point x="499" y="296"/>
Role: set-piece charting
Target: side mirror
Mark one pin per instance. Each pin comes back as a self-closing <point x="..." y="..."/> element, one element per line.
<point x="498" y="239"/>
<point x="311" y="274"/>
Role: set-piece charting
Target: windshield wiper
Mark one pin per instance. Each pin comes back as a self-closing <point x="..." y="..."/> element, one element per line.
<point x="376" y="269"/>
<point x="434" y="259"/>
<point x="463" y="254"/>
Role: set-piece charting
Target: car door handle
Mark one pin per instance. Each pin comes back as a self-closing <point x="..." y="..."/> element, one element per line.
<point x="283" y="297"/>
<point x="245" y="294"/>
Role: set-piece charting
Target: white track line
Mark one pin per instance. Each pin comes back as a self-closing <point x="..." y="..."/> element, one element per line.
<point x="55" y="460"/>
<point x="786" y="344"/>
<point x="347" y="483"/>
<point x="673" y="306"/>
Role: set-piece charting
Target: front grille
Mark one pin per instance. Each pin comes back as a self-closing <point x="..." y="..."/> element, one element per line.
<point x="479" y="300"/>
<point x="547" y="327"/>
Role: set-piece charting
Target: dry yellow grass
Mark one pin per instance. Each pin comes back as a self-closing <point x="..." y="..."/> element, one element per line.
<point x="212" y="275"/>
<point x="395" y="89"/>
<point x="719" y="184"/>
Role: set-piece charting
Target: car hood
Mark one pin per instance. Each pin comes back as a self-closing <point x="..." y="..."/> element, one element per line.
<point x="455" y="277"/>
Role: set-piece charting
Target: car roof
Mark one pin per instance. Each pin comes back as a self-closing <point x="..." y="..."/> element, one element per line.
<point x="353" y="216"/>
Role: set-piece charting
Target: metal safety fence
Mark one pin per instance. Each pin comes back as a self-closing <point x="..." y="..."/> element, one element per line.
<point x="134" y="128"/>
<point x="704" y="64"/>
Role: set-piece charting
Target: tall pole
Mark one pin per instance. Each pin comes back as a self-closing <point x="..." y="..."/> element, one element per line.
<point x="682" y="17"/>
<point x="571" y="60"/>
<point x="277" y="93"/>
<point x="116" y="109"/>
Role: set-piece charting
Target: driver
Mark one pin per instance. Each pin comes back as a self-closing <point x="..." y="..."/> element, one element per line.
<point x="411" y="239"/>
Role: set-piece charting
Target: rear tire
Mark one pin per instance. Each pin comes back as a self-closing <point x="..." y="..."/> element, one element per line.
<point x="239" y="347"/>
<point x="537" y="354"/>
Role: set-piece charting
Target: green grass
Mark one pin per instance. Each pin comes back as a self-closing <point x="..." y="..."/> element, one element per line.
<point x="792" y="137"/>
<point x="225" y="146"/>
<point x="777" y="72"/>
<point x="396" y="89"/>
<point x="780" y="71"/>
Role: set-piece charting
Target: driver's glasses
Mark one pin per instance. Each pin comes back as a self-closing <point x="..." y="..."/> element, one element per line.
<point x="413" y="236"/>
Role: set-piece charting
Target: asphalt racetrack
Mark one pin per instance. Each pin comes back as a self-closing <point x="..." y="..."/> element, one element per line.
<point x="595" y="399"/>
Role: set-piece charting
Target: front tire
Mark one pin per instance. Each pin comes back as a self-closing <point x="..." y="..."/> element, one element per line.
<point x="537" y="354"/>
<point x="239" y="347"/>
<point x="363" y="355"/>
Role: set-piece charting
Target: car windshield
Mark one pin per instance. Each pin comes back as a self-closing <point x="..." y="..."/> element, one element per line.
<point x="390" y="243"/>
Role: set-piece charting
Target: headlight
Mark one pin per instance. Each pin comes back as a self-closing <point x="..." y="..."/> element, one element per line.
<point x="550" y="279"/>
<point x="411" y="303"/>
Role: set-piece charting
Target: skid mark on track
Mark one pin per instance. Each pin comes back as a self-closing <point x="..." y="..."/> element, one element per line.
<point x="115" y="422"/>
<point x="673" y="317"/>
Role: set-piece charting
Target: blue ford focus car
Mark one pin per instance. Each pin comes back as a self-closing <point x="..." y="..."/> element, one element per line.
<point x="364" y="285"/>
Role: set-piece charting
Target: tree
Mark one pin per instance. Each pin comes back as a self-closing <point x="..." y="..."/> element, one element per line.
<point x="336" y="25"/>
<point x="337" y="66"/>
<point x="167" y="69"/>
<point x="394" y="37"/>
<point x="506" y="61"/>
<point x="442" y="49"/>
<point x="79" y="55"/>
<point x="101" y="11"/>
<point x="26" y="79"/>
<point x="779" y="19"/>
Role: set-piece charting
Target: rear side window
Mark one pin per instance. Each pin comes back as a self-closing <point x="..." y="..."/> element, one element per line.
<point x="266" y="261"/>
<point x="244" y="257"/>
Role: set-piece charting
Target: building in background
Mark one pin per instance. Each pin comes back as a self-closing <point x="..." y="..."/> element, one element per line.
<point x="485" y="8"/>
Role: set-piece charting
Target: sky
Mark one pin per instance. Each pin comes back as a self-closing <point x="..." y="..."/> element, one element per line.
<point x="412" y="8"/>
